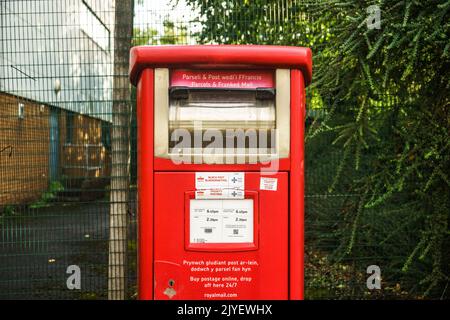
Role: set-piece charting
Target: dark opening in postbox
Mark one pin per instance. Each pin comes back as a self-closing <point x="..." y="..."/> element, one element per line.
<point x="220" y="161"/>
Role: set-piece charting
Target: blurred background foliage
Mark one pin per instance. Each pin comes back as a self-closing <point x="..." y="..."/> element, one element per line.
<point x="378" y="120"/>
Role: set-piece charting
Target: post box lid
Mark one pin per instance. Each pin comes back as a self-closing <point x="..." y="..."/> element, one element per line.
<point x="221" y="56"/>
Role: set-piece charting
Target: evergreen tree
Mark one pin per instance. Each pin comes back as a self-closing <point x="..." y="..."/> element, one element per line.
<point x="386" y="91"/>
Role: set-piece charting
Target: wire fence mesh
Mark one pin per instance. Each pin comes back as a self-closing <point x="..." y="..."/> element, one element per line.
<point x="63" y="85"/>
<point x="68" y="151"/>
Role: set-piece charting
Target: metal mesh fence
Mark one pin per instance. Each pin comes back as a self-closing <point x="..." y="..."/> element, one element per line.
<point x="68" y="152"/>
<point x="65" y="174"/>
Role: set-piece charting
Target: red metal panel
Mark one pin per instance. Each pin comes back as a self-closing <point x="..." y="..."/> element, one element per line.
<point x="161" y="164"/>
<point x="296" y="188"/>
<point x="145" y="183"/>
<point x="220" y="56"/>
<point x="174" y="275"/>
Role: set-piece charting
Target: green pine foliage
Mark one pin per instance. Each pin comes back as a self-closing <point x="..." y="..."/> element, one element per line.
<point x="385" y="94"/>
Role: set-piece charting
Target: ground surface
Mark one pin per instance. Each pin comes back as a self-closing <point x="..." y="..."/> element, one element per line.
<point x="37" y="246"/>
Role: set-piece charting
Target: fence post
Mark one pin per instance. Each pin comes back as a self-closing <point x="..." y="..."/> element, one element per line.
<point x="120" y="151"/>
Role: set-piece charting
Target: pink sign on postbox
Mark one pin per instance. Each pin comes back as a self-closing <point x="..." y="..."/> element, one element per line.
<point x="222" y="79"/>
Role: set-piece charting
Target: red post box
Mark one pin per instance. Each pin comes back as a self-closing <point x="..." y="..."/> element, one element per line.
<point x="220" y="170"/>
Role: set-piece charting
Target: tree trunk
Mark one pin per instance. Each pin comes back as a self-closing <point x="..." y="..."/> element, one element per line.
<point x="120" y="151"/>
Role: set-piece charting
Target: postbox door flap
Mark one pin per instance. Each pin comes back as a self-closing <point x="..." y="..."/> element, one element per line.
<point x="220" y="273"/>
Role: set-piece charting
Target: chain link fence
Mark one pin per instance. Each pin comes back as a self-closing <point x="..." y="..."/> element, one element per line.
<point x="68" y="154"/>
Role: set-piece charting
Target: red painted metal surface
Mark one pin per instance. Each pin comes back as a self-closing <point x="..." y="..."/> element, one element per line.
<point x="145" y="183"/>
<point x="173" y="263"/>
<point x="164" y="188"/>
<point x="220" y="56"/>
<point x="161" y="164"/>
<point x="296" y="188"/>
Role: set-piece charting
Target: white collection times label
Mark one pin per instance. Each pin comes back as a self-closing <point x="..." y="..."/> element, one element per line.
<point x="221" y="221"/>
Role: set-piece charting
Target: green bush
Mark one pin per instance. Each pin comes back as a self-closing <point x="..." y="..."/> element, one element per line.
<point x="49" y="195"/>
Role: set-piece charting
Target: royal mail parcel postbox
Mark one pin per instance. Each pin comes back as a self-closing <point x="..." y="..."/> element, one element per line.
<point x="220" y="170"/>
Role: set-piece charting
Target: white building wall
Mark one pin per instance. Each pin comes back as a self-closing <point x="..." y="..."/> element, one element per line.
<point x="46" y="42"/>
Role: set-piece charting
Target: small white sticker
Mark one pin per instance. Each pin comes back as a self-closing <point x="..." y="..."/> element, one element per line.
<point x="270" y="184"/>
<point x="219" y="180"/>
<point x="219" y="194"/>
<point x="221" y="221"/>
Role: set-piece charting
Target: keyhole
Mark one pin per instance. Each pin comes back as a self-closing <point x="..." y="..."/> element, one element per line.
<point x="171" y="283"/>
